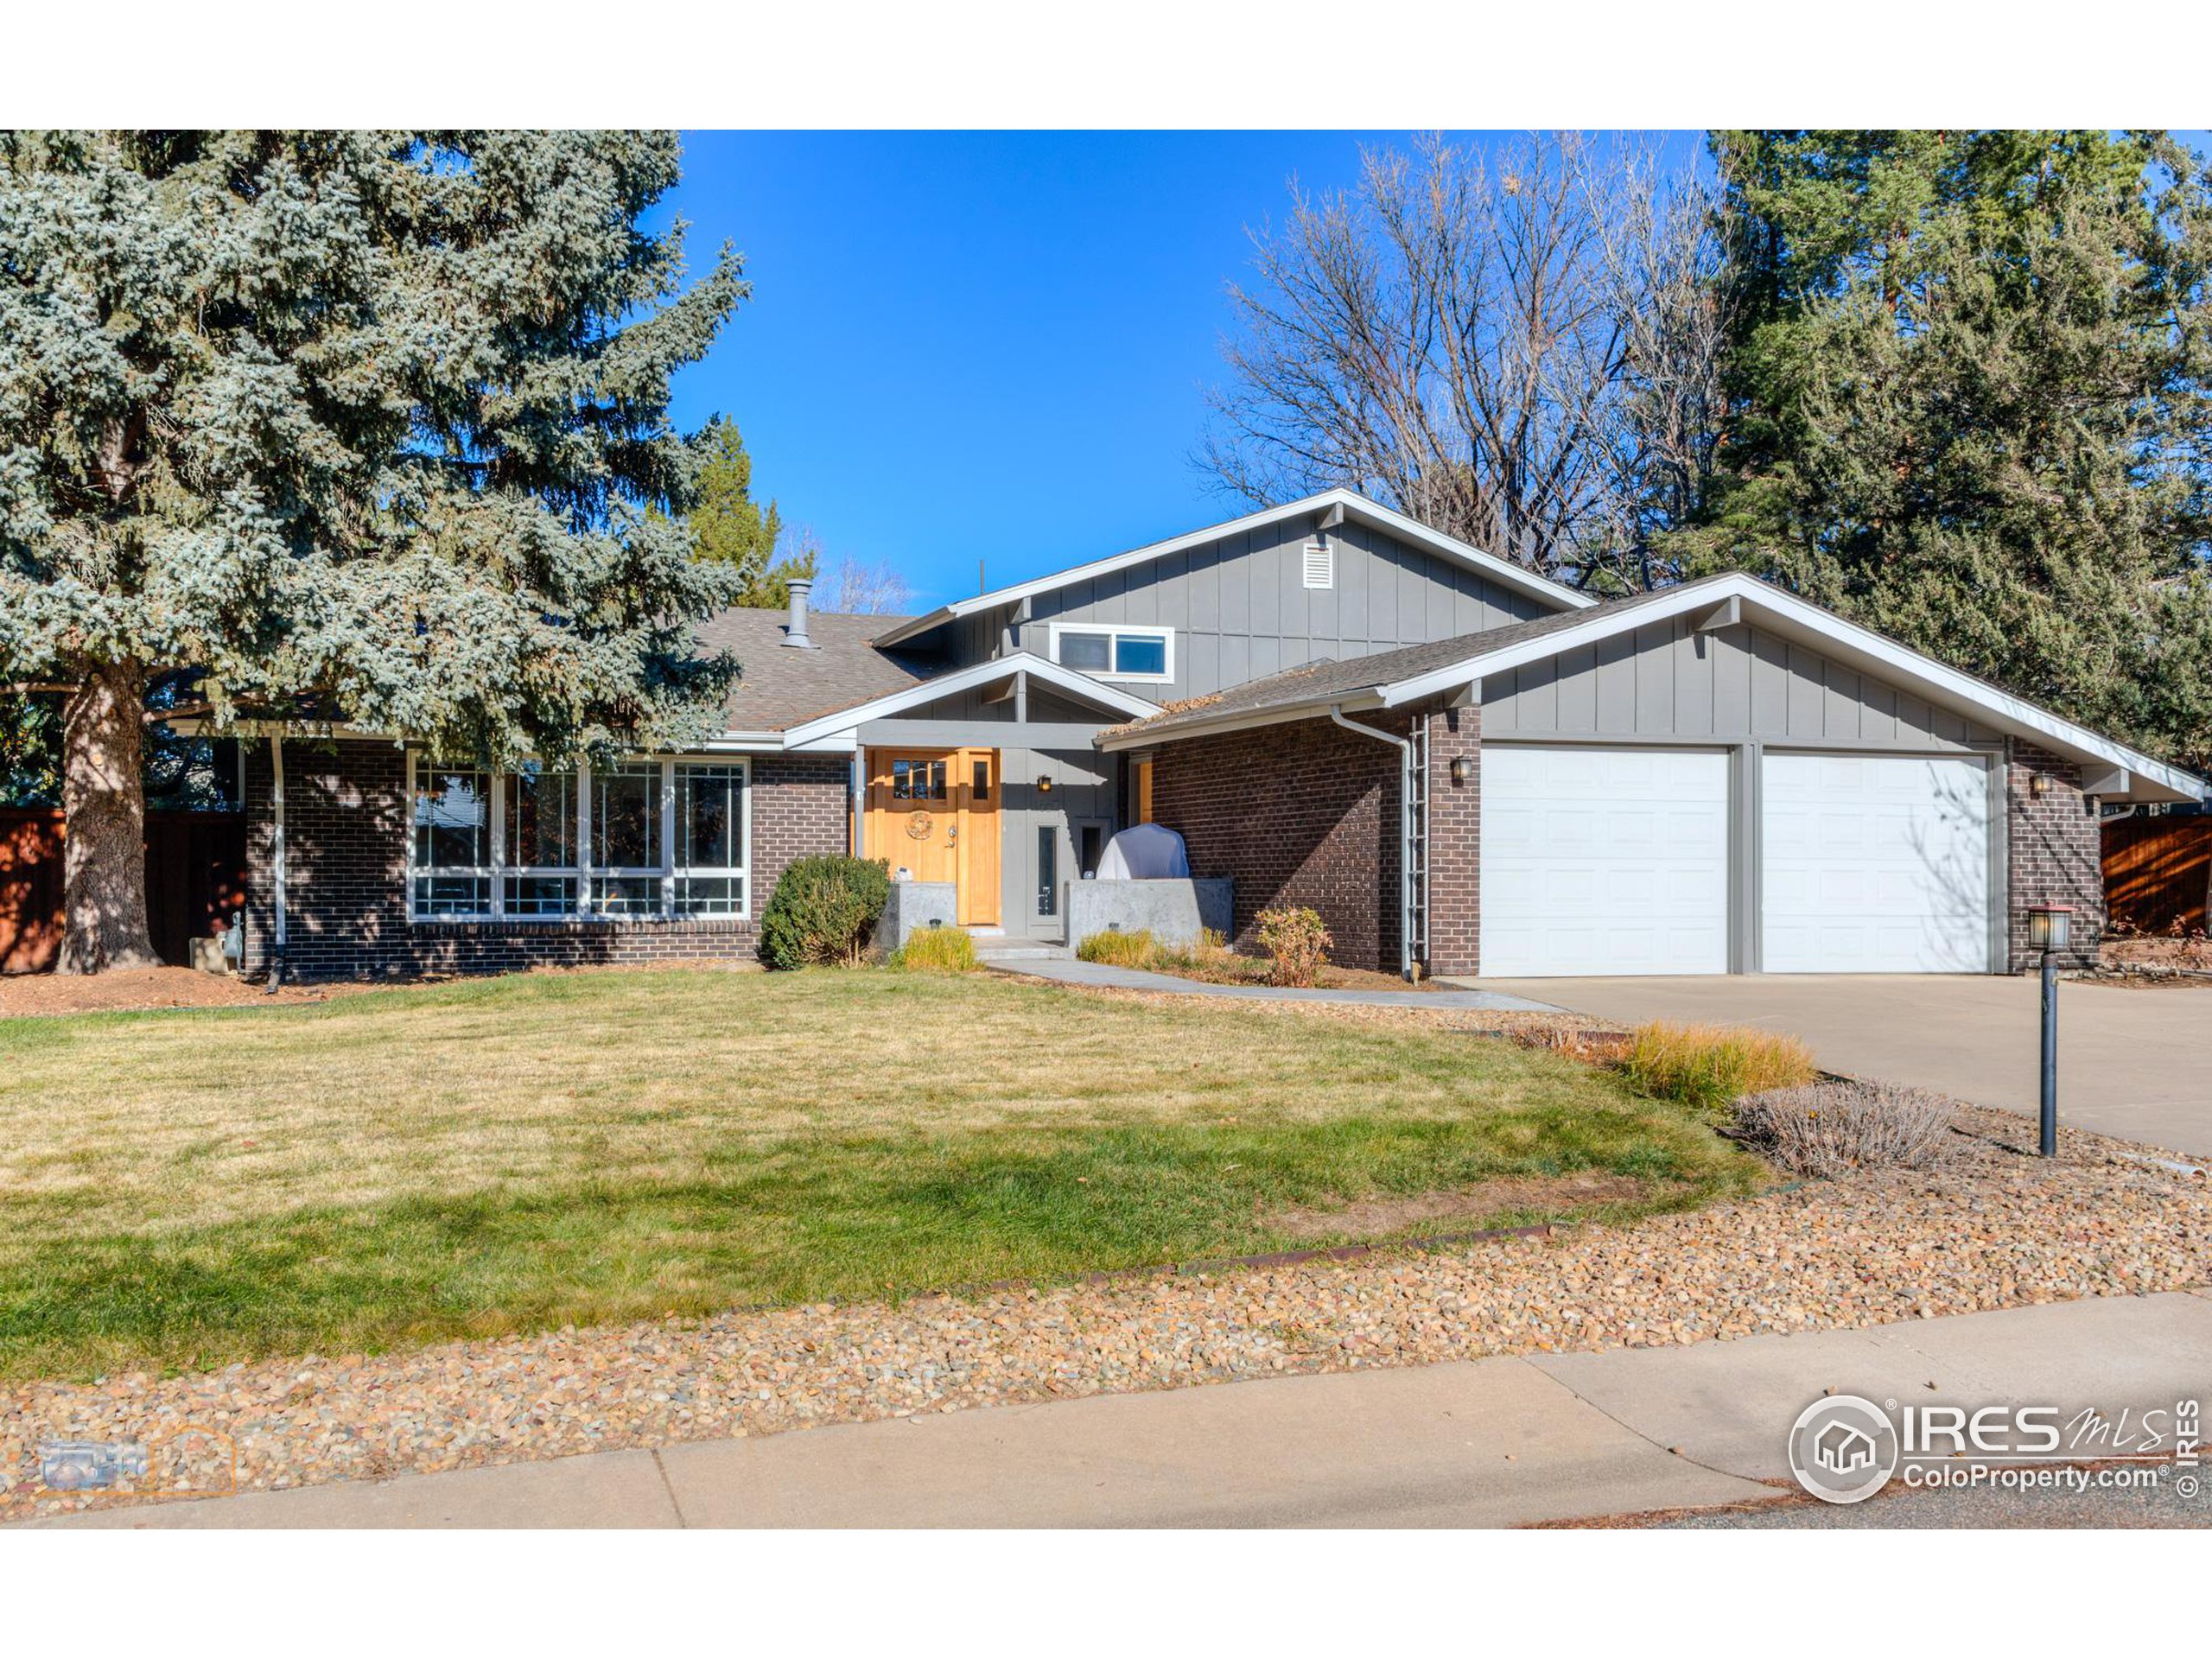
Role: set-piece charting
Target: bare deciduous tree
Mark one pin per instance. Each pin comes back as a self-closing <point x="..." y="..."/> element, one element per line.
<point x="1518" y="347"/>
<point x="846" y="585"/>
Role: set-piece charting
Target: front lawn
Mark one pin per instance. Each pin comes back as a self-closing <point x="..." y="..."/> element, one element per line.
<point x="186" y="1189"/>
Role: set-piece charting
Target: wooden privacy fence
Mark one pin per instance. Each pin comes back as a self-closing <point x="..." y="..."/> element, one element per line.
<point x="195" y="878"/>
<point x="2158" y="872"/>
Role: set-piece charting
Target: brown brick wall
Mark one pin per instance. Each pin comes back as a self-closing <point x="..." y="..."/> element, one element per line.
<point x="2053" y="855"/>
<point x="1455" y="827"/>
<point x="346" y="857"/>
<point x="1305" y="813"/>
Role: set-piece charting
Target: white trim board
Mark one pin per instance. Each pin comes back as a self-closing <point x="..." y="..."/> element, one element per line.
<point x="1786" y="614"/>
<point x="1125" y="703"/>
<point x="1356" y="507"/>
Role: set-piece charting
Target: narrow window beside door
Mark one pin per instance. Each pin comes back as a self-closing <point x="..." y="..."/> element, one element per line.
<point x="1048" y="870"/>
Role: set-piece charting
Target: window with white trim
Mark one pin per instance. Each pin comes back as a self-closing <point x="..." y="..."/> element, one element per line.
<point x="1115" y="653"/>
<point x="644" y="838"/>
<point x="542" y="852"/>
<point x="628" y="841"/>
<point x="710" y="872"/>
<point x="451" y="850"/>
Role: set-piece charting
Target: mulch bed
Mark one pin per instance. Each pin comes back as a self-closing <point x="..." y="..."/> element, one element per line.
<point x="1994" y="1227"/>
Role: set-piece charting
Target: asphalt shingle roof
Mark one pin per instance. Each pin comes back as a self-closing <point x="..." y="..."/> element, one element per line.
<point x="779" y="687"/>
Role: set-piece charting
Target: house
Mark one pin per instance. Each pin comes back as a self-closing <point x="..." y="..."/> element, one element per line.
<point x="1465" y="767"/>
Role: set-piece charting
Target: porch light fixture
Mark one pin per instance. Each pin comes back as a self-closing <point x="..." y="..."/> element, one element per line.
<point x="2049" y="926"/>
<point x="2039" y="783"/>
<point x="1043" y="782"/>
<point x="1462" y="772"/>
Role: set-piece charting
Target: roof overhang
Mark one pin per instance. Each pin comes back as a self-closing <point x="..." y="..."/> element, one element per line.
<point x="1339" y="505"/>
<point x="2125" y="774"/>
<point x="826" y="728"/>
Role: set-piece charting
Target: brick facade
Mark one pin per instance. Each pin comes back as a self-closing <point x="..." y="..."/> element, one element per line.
<point x="346" y="817"/>
<point x="1455" y="833"/>
<point x="1304" y="813"/>
<point x="2053" y="855"/>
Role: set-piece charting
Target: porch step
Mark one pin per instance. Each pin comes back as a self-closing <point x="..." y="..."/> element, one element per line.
<point x="1005" y="949"/>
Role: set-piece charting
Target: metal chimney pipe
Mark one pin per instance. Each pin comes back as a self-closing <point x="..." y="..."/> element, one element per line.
<point x="794" y="630"/>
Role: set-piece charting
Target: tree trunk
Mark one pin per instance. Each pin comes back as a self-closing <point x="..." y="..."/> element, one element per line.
<point x="103" y="824"/>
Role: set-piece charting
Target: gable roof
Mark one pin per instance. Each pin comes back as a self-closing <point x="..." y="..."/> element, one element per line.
<point x="1393" y="679"/>
<point x="779" y="688"/>
<point x="1356" y="508"/>
<point x="1070" y="681"/>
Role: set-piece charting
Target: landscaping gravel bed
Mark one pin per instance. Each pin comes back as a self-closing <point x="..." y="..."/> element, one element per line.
<point x="1993" y="1228"/>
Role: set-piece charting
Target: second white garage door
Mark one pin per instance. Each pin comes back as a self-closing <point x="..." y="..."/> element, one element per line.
<point x="1604" y="860"/>
<point x="1874" y="864"/>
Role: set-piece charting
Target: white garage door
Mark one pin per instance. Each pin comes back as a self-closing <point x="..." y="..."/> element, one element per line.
<point x="1874" y="864"/>
<point x="1604" y="860"/>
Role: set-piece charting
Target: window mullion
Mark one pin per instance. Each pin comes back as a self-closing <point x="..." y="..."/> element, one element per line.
<point x="668" y="837"/>
<point x="499" y="794"/>
<point x="584" y="906"/>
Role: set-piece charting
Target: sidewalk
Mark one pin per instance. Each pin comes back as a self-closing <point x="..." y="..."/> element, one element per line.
<point x="1066" y="971"/>
<point x="1491" y="1442"/>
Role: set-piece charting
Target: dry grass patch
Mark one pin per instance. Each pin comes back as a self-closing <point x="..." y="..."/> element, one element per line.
<point x="1709" y="1068"/>
<point x="471" y="1158"/>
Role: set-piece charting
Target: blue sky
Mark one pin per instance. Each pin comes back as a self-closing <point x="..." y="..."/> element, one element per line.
<point x="988" y="346"/>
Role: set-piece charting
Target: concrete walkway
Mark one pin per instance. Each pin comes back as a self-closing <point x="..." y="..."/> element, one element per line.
<point x="1489" y="1442"/>
<point x="1066" y="971"/>
<point x="2134" y="1062"/>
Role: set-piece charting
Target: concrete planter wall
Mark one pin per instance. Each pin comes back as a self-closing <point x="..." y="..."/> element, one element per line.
<point x="1173" y="911"/>
<point x="912" y="907"/>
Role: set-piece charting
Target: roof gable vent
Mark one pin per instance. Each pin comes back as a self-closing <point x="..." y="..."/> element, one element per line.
<point x="1321" y="562"/>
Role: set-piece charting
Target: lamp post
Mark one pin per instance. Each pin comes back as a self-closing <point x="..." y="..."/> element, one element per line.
<point x="2048" y="926"/>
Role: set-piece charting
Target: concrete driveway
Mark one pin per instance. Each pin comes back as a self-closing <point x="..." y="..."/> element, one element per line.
<point x="2131" y="1062"/>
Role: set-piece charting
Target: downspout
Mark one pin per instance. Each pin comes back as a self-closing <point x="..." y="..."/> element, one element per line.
<point x="276" y="853"/>
<point x="1405" y="832"/>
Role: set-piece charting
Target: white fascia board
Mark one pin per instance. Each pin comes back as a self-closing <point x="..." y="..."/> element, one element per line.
<point x="1039" y="669"/>
<point x="1242" y="720"/>
<point x="1355" y="506"/>
<point x="1860" y="647"/>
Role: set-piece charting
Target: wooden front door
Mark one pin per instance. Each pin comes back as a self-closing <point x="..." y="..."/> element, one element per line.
<point x="935" y="814"/>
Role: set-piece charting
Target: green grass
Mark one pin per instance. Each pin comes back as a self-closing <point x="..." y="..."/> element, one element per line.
<point x="186" y="1189"/>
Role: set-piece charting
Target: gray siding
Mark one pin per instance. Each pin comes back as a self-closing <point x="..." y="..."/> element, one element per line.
<point x="1665" y="680"/>
<point x="1082" y="789"/>
<point x="1241" y="610"/>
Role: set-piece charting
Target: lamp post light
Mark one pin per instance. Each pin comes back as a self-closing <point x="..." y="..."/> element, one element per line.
<point x="2048" y="926"/>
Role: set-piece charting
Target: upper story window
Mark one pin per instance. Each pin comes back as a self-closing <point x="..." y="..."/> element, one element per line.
<point x="663" y="838"/>
<point x="1115" y="653"/>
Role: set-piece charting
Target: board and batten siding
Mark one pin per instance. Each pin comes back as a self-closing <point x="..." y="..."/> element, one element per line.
<point x="1666" y="679"/>
<point x="1241" y="610"/>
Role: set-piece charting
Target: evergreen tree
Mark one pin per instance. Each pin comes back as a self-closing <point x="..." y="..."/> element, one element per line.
<point x="368" y="426"/>
<point x="729" y="527"/>
<point x="1969" y="388"/>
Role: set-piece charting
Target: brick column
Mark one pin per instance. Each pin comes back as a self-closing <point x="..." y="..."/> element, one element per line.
<point x="1455" y="813"/>
<point x="2054" y="854"/>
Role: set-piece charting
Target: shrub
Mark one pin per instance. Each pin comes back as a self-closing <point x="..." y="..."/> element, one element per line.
<point x="1709" y="1067"/>
<point x="1120" y="949"/>
<point x="822" y="912"/>
<point x="936" y="951"/>
<point x="1831" y="1128"/>
<point x="1297" y="943"/>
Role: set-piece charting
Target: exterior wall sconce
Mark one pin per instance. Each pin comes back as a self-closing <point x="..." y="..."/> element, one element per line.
<point x="1462" y="772"/>
<point x="2049" y="926"/>
<point x="2039" y="783"/>
<point x="1043" y="782"/>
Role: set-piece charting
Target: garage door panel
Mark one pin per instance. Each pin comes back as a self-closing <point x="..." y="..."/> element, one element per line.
<point x="1630" y="873"/>
<point x="1874" y="864"/>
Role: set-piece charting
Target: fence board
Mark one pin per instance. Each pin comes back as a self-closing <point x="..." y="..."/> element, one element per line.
<point x="2159" y="873"/>
<point x="195" y="878"/>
